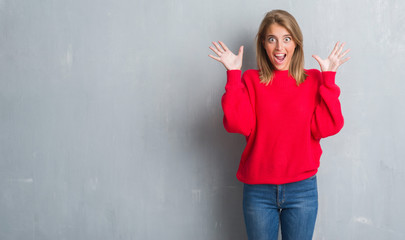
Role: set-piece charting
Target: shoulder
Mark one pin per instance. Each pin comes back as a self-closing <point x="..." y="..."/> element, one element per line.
<point x="251" y="75"/>
<point x="314" y="74"/>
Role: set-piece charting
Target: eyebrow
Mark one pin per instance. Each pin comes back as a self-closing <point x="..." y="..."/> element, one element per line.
<point x="271" y="35"/>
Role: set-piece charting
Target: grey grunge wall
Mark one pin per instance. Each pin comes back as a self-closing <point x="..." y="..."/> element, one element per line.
<point x="111" y="122"/>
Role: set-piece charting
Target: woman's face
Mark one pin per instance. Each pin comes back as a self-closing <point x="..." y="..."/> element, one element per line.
<point x="279" y="46"/>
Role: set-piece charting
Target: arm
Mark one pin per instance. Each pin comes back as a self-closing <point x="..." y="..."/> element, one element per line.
<point x="327" y="119"/>
<point x="238" y="111"/>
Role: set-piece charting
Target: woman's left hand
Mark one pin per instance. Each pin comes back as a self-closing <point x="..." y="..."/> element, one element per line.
<point x="334" y="60"/>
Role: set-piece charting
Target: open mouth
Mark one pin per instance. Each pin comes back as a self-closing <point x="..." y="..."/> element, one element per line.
<point x="280" y="57"/>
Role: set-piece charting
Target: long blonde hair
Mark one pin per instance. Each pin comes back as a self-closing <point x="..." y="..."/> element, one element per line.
<point x="266" y="68"/>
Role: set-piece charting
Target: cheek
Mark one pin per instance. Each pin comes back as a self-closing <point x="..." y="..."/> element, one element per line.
<point x="291" y="50"/>
<point x="269" y="51"/>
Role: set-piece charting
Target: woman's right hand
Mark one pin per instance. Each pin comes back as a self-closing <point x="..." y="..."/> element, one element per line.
<point x="226" y="57"/>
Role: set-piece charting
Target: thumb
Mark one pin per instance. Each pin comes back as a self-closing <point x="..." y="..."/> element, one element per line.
<point x="240" y="51"/>
<point x="317" y="58"/>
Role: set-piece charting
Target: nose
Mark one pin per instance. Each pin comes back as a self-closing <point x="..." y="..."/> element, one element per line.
<point x="279" y="45"/>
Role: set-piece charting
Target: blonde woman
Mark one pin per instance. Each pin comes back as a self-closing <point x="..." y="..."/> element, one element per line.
<point x="283" y="110"/>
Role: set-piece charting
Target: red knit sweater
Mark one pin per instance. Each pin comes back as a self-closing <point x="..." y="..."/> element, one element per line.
<point x="283" y="123"/>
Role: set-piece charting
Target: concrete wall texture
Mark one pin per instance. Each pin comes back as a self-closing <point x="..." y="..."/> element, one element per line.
<point x="111" y="123"/>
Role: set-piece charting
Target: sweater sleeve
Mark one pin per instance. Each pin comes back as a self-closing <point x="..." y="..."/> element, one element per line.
<point x="238" y="111"/>
<point x="327" y="119"/>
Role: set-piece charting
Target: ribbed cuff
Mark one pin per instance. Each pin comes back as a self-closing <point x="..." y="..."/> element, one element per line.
<point x="233" y="79"/>
<point x="328" y="78"/>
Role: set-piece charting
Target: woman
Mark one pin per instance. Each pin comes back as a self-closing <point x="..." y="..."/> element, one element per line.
<point x="284" y="111"/>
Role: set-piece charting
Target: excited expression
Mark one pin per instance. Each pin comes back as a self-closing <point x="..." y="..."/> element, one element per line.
<point x="279" y="46"/>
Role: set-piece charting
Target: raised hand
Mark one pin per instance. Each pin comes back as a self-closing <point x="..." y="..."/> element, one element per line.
<point x="334" y="60"/>
<point x="226" y="57"/>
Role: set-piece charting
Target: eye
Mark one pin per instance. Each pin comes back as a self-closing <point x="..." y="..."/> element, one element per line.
<point x="287" y="39"/>
<point x="271" y="39"/>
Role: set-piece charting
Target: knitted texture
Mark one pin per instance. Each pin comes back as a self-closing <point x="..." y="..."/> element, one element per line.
<point x="283" y="123"/>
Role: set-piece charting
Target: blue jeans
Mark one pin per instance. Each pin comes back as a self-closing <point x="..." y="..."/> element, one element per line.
<point x="294" y="206"/>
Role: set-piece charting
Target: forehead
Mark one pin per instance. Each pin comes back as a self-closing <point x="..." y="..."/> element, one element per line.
<point x="277" y="30"/>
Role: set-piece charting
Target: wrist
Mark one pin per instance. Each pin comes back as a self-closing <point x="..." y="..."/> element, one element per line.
<point x="329" y="69"/>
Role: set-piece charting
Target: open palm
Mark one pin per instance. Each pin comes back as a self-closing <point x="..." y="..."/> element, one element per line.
<point x="226" y="57"/>
<point x="334" y="60"/>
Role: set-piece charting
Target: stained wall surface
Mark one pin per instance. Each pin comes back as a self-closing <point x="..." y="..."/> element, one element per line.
<point x="111" y="123"/>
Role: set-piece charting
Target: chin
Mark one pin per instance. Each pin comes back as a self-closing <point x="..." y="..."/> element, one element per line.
<point x="280" y="68"/>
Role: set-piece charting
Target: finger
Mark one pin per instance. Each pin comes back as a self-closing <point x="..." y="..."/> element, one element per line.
<point x="240" y="51"/>
<point x="344" y="60"/>
<point x="216" y="51"/>
<point x="317" y="58"/>
<point x="218" y="47"/>
<point x="216" y="58"/>
<point x="340" y="48"/>
<point x="344" y="53"/>
<point x="335" y="49"/>
<point x="224" y="46"/>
